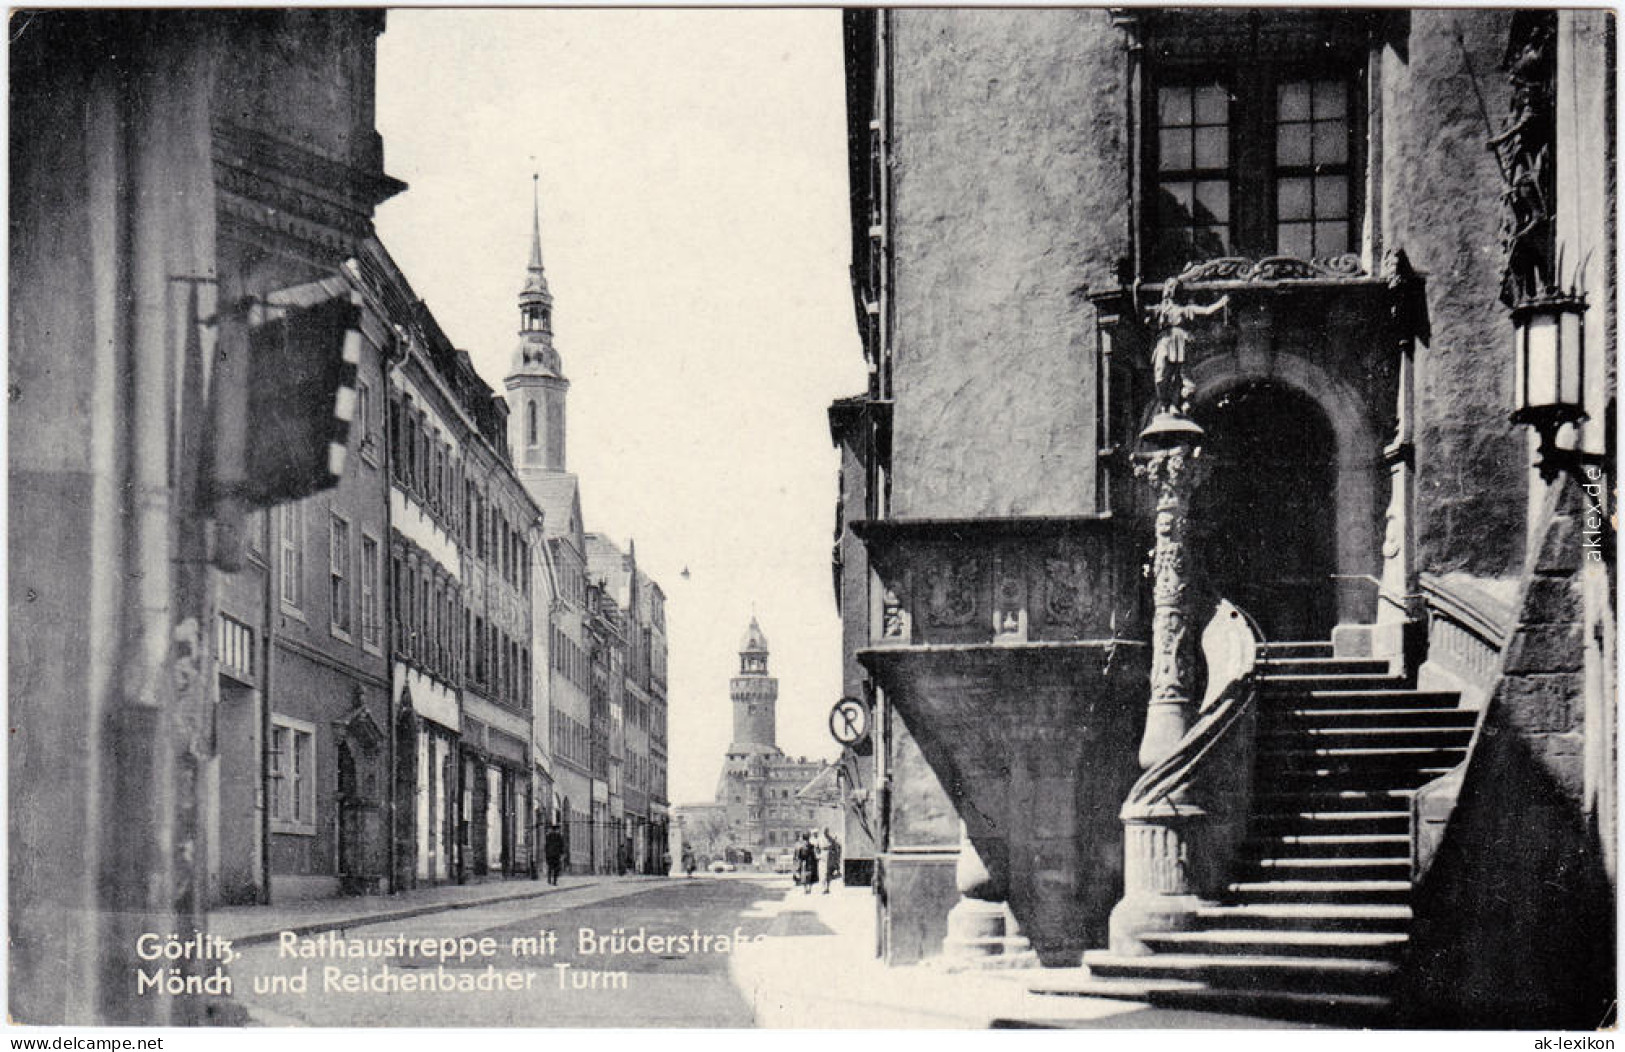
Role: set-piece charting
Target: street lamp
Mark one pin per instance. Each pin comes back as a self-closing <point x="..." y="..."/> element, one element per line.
<point x="1548" y="386"/>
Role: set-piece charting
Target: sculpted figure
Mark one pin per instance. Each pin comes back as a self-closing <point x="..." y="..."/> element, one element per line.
<point x="1168" y="359"/>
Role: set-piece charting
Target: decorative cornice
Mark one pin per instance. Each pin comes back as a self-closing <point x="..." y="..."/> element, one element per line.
<point x="1274" y="269"/>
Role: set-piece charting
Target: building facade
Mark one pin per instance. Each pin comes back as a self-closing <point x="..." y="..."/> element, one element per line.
<point x="164" y="189"/>
<point x="605" y="654"/>
<point x="1240" y="288"/>
<point x="760" y="790"/>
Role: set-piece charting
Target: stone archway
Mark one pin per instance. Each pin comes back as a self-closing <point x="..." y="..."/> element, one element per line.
<point x="1264" y="524"/>
<point x="1315" y="457"/>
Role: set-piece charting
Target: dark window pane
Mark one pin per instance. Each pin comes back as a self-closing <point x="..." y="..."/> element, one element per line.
<point x="1292" y="200"/>
<point x="1331" y="99"/>
<point x="1210" y="241"/>
<point x="1212" y="147"/>
<point x="1331" y="142"/>
<point x="1295" y="239"/>
<point x="1176" y="203"/>
<point x="1292" y="144"/>
<point x="1212" y="202"/>
<point x="1212" y="104"/>
<point x="1331" y="239"/>
<point x="1174" y="150"/>
<point x="1174" y="106"/>
<point x="1331" y="197"/>
<point x="1292" y="101"/>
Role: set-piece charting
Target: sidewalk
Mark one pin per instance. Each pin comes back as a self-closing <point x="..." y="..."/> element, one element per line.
<point x="817" y="969"/>
<point x="249" y="925"/>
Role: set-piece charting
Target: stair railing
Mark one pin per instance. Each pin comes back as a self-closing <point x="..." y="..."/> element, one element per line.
<point x="1186" y="816"/>
<point x="1467" y="637"/>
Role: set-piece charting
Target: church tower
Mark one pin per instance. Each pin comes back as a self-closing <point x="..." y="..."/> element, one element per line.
<point x="536" y="383"/>
<point x="755" y="696"/>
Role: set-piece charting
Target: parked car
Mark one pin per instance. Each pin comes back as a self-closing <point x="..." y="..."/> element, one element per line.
<point x="785" y="863"/>
<point x="720" y="866"/>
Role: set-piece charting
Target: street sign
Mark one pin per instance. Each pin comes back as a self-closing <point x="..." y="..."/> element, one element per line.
<point x="849" y="721"/>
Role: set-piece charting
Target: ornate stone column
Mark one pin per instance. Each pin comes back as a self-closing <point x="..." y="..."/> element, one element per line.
<point x="1173" y="466"/>
<point x="1165" y="854"/>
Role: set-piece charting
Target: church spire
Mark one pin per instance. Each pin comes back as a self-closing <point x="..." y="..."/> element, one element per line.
<point x="535" y="278"/>
<point x="536" y="384"/>
<point x="535" y="354"/>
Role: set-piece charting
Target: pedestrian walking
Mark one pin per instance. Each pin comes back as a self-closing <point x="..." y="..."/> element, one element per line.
<point x="806" y="863"/>
<point x="832" y="858"/>
<point x="688" y="862"/>
<point x="553" y="849"/>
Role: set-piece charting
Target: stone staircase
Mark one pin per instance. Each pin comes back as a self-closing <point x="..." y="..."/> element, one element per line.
<point x="1317" y="914"/>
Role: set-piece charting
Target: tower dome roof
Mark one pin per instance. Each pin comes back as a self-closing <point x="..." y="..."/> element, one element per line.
<point x="755" y="642"/>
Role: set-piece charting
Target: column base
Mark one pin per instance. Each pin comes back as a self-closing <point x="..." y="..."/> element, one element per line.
<point x="984" y="935"/>
<point x="1150" y="914"/>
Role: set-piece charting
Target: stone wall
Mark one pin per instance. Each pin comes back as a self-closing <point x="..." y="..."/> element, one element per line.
<point x="1439" y="190"/>
<point x="1006" y="210"/>
<point x="1515" y="914"/>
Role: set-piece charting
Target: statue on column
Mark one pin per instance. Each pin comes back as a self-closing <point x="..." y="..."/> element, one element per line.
<point x="1173" y="388"/>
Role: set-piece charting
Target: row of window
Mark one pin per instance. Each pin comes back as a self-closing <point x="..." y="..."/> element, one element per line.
<point x="426" y="465"/>
<point x="428" y="614"/>
<point x="571" y="739"/>
<point x="569" y="659"/>
<point x="572" y="577"/>
<point x="433" y="630"/>
<point x="353" y="599"/>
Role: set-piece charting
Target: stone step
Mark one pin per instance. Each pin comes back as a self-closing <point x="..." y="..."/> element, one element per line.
<point x="1334" y="774"/>
<point x="1346" y="917"/>
<point x="1344" y="695"/>
<point x="1364" y="892"/>
<point x="1292" y="739"/>
<point x="1277" y="683"/>
<point x="1274" y="666"/>
<point x="1338" y="776"/>
<point x="1314" y="756"/>
<point x="1338" y="868"/>
<point x="1266" y="801"/>
<point x="1249" y="972"/>
<point x="1278" y="720"/>
<point x="1367" y="945"/>
<point x="1328" y="821"/>
<point x="1330" y="845"/>
<point x="1305" y="648"/>
<point x="1344" y="1009"/>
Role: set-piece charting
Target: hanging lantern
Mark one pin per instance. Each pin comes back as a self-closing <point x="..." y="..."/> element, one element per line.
<point x="1549" y="362"/>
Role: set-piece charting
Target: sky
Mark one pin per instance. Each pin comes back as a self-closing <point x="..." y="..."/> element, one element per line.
<point x="692" y="178"/>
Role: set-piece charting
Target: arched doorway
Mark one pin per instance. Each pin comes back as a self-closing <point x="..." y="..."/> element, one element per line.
<point x="1265" y="522"/>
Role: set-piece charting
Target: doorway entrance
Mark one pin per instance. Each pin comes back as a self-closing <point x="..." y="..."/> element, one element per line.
<point x="1265" y="522"/>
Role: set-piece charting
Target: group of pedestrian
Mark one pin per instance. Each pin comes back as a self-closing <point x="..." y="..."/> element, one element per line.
<point x="817" y="853"/>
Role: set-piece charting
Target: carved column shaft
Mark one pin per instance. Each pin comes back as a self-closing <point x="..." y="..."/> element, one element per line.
<point x="1174" y="474"/>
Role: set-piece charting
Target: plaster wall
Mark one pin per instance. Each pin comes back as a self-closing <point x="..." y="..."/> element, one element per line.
<point x="431" y="698"/>
<point x="1010" y="199"/>
<point x="1441" y="190"/>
